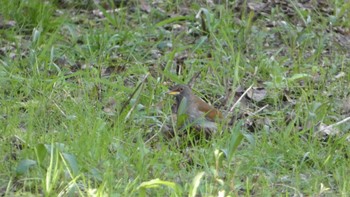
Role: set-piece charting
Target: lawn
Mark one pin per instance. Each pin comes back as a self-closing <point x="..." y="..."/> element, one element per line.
<point x="84" y="109"/>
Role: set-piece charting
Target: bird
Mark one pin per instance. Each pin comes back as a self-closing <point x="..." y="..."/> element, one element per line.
<point x="197" y="112"/>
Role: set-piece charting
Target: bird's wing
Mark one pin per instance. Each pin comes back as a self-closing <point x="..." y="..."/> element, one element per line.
<point x="210" y="112"/>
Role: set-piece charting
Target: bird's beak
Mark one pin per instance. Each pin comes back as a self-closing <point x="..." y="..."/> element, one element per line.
<point x="173" y="92"/>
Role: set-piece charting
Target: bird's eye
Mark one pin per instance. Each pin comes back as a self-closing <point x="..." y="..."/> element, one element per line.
<point x="180" y="89"/>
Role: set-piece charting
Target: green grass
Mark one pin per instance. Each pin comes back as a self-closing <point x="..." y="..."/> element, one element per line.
<point x="58" y="139"/>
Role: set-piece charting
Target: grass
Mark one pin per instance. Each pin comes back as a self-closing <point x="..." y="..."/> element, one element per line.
<point x="83" y="103"/>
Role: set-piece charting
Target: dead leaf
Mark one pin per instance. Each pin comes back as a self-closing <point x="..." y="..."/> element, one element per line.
<point x="342" y="40"/>
<point x="145" y="6"/>
<point x="324" y="131"/>
<point x="340" y="75"/>
<point x="256" y="6"/>
<point x="346" y="105"/>
<point x="257" y="94"/>
<point x="328" y="130"/>
<point x="110" y="106"/>
<point x="289" y="99"/>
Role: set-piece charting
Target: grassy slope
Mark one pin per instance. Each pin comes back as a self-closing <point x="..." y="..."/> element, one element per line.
<point x="55" y="137"/>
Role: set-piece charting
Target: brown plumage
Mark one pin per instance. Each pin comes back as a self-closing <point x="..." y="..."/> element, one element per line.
<point x="199" y="112"/>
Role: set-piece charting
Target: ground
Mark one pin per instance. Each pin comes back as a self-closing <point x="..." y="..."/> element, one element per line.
<point x="84" y="109"/>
